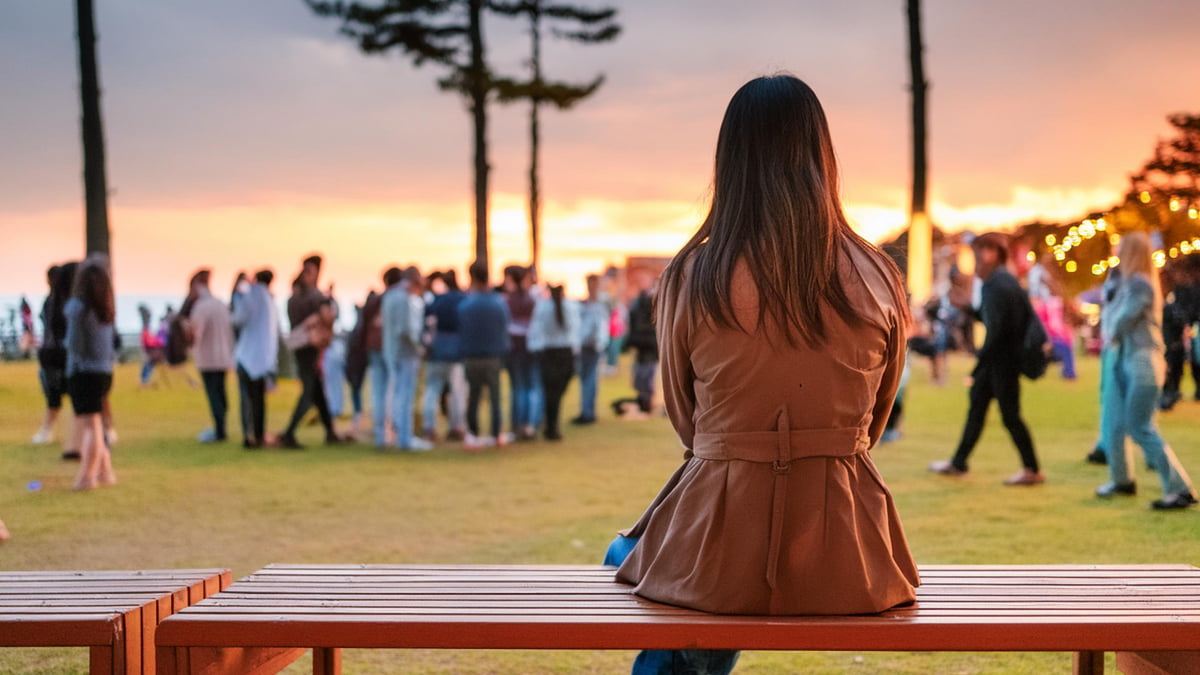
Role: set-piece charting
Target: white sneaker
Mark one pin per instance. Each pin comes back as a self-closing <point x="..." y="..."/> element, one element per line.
<point x="419" y="445"/>
<point x="471" y="442"/>
<point x="43" y="436"/>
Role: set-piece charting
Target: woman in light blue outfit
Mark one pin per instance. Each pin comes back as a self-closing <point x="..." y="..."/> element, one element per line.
<point x="1130" y="325"/>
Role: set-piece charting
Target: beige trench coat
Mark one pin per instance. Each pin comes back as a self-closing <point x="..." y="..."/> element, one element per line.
<point x="778" y="508"/>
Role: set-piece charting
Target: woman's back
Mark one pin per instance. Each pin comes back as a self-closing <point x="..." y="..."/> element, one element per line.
<point x="778" y="509"/>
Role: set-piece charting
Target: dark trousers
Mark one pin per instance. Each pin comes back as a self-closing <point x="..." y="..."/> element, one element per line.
<point x="1176" y="359"/>
<point x="1004" y="385"/>
<point x="218" y="403"/>
<point x="557" y="368"/>
<point x="312" y="392"/>
<point x="254" y="406"/>
<point x="482" y="373"/>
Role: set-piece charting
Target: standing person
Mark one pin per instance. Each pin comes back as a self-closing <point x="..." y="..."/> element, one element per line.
<point x="616" y="336"/>
<point x="303" y="310"/>
<point x="554" y="342"/>
<point x="642" y="340"/>
<point x="519" y="362"/>
<point x="152" y="347"/>
<point x="355" y="369"/>
<point x="1108" y="291"/>
<point x="89" y="340"/>
<point x="777" y="508"/>
<point x="484" y="339"/>
<point x="52" y="355"/>
<point x="256" y="353"/>
<point x="1131" y="325"/>
<point x="403" y="313"/>
<point x="27" y="341"/>
<point x="997" y="375"/>
<point x="212" y="351"/>
<point x="1181" y="312"/>
<point x="593" y="341"/>
<point x="376" y="363"/>
<point x="443" y="365"/>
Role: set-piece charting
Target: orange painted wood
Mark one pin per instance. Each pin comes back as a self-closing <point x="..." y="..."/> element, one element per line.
<point x="327" y="661"/>
<point x="1086" y="609"/>
<point x="1088" y="663"/>
<point x="1159" y="663"/>
<point x="114" y="613"/>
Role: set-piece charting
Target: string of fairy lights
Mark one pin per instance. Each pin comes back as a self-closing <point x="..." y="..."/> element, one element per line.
<point x="1090" y="228"/>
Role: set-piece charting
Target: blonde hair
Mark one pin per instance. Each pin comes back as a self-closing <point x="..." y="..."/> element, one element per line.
<point x="1136" y="258"/>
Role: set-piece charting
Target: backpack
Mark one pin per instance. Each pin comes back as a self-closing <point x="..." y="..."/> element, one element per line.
<point x="177" y="340"/>
<point x="1035" y="345"/>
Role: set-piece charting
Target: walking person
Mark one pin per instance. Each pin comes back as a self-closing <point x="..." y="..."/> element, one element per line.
<point x="593" y="341"/>
<point x="777" y="508"/>
<point x="212" y="351"/>
<point x="52" y="355"/>
<point x="90" y="314"/>
<point x="554" y="342"/>
<point x="403" y="312"/>
<point x="1006" y="313"/>
<point x="443" y="364"/>
<point x="256" y="353"/>
<point x="1130" y="324"/>
<point x="309" y="336"/>
<point x="484" y="339"/>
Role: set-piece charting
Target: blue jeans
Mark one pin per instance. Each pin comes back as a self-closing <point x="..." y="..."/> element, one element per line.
<point x="377" y="371"/>
<point x="520" y="386"/>
<point x="589" y="367"/>
<point x="1130" y="400"/>
<point x="439" y="374"/>
<point x="403" y="373"/>
<point x="1065" y="353"/>
<point x="671" y="661"/>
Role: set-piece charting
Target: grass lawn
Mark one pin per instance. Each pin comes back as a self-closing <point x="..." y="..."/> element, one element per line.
<point x="182" y="504"/>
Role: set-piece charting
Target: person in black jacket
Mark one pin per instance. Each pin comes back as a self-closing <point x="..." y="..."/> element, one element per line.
<point x="52" y="355"/>
<point x="1005" y="313"/>
<point x="641" y="337"/>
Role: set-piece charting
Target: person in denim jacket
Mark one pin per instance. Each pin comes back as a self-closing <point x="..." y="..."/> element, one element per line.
<point x="1130" y="326"/>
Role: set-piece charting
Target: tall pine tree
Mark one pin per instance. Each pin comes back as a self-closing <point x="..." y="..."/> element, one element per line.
<point x="582" y="25"/>
<point x="920" y="229"/>
<point x="448" y="33"/>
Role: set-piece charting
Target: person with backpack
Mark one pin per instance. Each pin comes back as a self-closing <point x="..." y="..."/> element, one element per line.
<point x="1008" y="318"/>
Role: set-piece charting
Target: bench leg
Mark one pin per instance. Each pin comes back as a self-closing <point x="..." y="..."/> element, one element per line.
<point x="1159" y="663"/>
<point x="327" y="661"/>
<point x="1088" y="663"/>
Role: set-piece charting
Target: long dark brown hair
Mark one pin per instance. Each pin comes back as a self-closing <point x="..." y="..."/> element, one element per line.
<point x="775" y="204"/>
<point x="94" y="289"/>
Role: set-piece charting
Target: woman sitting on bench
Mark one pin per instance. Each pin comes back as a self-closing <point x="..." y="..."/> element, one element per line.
<point x="782" y="336"/>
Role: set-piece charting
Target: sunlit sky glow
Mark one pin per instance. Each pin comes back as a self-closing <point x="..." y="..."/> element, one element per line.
<point x="243" y="134"/>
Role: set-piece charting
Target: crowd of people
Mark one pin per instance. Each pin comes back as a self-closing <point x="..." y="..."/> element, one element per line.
<point x="428" y="349"/>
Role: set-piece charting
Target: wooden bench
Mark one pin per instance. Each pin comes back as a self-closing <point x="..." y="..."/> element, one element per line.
<point x="1148" y="614"/>
<point x="115" y="614"/>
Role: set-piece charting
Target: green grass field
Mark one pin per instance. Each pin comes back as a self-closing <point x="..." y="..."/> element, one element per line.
<point x="182" y="504"/>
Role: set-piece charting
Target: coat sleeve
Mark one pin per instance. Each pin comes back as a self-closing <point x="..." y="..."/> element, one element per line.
<point x="1131" y="306"/>
<point x="889" y="384"/>
<point x="675" y="358"/>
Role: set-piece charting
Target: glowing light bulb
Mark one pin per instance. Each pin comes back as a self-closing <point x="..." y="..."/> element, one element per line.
<point x="1174" y="204"/>
<point x="1145" y="197"/>
<point x="1072" y="266"/>
<point x="1113" y="261"/>
<point x="1052" y="240"/>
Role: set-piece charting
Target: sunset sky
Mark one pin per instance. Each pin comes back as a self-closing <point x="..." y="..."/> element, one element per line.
<point x="243" y="134"/>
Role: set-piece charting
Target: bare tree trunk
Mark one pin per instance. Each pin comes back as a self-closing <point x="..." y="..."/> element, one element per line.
<point x="920" y="231"/>
<point x="535" y="205"/>
<point x="95" y="184"/>
<point x="479" y="90"/>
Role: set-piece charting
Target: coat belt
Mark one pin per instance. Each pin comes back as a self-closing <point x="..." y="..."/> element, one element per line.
<point x="779" y="448"/>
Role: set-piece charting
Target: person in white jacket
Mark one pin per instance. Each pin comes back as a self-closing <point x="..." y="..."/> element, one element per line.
<point x="256" y="352"/>
<point x="554" y="342"/>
